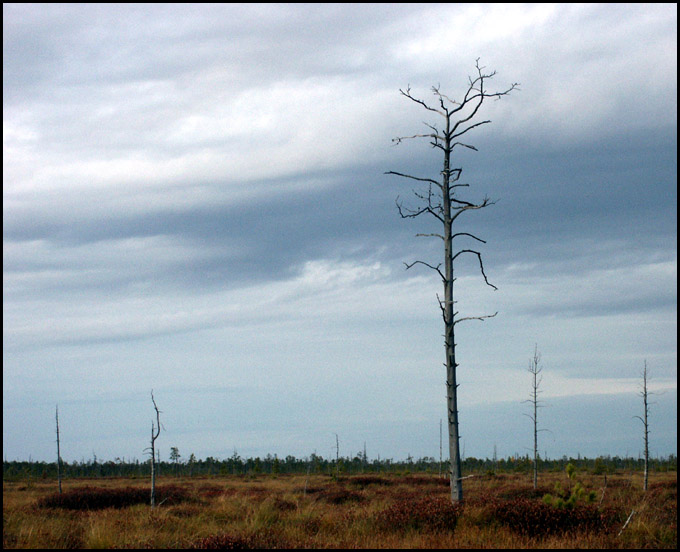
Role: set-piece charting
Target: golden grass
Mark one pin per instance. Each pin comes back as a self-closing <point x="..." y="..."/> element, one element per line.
<point x="297" y="511"/>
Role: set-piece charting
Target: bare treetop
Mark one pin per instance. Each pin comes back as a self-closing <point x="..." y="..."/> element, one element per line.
<point x="474" y="98"/>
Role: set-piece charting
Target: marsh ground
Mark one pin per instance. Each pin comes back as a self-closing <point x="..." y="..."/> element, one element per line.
<point x="360" y="511"/>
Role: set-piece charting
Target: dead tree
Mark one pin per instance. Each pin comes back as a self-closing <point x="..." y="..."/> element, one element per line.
<point x="58" y="451"/>
<point x="534" y="370"/>
<point x="645" y="396"/>
<point x="440" y="200"/>
<point x="155" y="432"/>
<point x="337" y="456"/>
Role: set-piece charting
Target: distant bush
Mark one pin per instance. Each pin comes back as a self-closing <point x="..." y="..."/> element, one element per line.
<point x="94" y="498"/>
<point x="430" y="514"/>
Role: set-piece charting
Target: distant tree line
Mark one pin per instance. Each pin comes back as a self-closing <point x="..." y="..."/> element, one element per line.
<point x="315" y="464"/>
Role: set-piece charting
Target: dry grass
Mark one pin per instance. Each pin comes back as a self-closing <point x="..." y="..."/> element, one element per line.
<point x="355" y="512"/>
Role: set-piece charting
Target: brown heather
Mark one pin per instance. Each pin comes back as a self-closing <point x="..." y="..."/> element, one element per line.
<point x="362" y="511"/>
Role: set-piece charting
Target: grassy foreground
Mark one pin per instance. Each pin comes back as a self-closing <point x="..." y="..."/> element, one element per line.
<point x="360" y="511"/>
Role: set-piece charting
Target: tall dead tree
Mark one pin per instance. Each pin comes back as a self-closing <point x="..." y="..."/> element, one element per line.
<point x="645" y="399"/>
<point x="534" y="370"/>
<point x="155" y="432"/>
<point x="440" y="200"/>
<point x="58" y="451"/>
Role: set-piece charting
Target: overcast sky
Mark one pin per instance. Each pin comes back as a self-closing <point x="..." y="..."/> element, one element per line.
<point x="195" y="202"/>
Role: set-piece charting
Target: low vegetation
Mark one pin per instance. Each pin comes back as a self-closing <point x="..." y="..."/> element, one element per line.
<point x="354" y="511"/>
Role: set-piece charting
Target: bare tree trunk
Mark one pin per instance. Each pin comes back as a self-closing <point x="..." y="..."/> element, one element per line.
<point x="644" y="394"/>
<point x="155" y="432"/>
<point x="534" y="370"/>
<point x="153" y="467"/>
<point x="337" y="456"/>
<point x="58" y="452"/>
<point x="441" y="202"/>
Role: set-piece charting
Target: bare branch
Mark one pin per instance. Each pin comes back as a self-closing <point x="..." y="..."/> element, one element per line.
<point x="421" y="102"/>
<point x="459" y="210"/>
<point x="482" y="318"/>
<point x="434" y="235"/>
<point x="158" y="416"/>
<point x="435" y="268"/>
<point x="469" y="128"/>
<point x="464" y="145"/>
<point x="436" y="91"/>
<point x="441" y="306"/>
<point x="481" y="265"/>
<point x="399" y="139"/>
<point x="454" y="174"/>
<point x="467" y="234"/>
<point x="405" y="212"/>
<point x="477" y="93"/>
<point x="466" y="203"/>
<point x="627" y="522"/>
<point x="415" y="178"/>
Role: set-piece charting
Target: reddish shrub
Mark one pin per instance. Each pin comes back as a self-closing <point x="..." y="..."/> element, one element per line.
<point x="365" y="480"/>
<point x="207" y="491"/>
<point x="283" y="505"/>
<point x="664" y="485"/>
<point x="510" y="494"/>
<point x="424" y="480"/>
<point x="94" y="498"/>
<point x="533" y="517"/>
<point x="222" y="542"/>
<point x="248" y="542"/>
<point x="310" y="490"/>
<point x="339" y="496"/>
<point x="431" y="514"/>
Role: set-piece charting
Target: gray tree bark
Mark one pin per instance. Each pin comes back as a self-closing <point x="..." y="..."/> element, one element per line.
<point x="440" y="201"/>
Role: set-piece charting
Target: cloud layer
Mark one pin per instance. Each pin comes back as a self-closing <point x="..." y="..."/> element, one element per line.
<point x="194" y="200"/>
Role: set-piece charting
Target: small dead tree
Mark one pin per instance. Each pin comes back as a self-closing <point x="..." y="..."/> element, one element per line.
<point x="337" y="456"/>
<point x="534" y="370"/>
<point x="439" y="199"/>
<point x="645" y="422"/>
<point x="58" y="451"/>
<point x="155" y="432"/>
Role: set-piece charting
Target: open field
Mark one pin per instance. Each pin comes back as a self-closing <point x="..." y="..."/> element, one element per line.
<point x="360" y="511"/>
